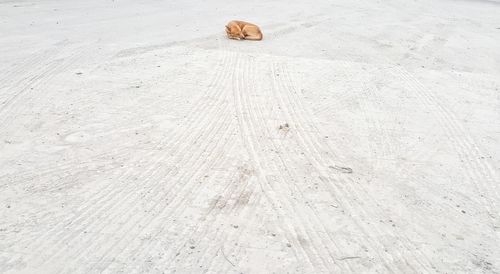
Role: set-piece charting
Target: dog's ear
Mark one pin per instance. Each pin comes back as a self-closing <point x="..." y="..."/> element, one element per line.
<point x="227" y="27"/>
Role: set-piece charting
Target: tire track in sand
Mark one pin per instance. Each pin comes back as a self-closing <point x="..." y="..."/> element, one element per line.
<point x="172" y="144"/>
<point x="306" y="143"/>
<point x="91" y="209"/>
<point x="15" y="102"/>
<point x="309" y="143"/>
<point x="278" y="184"/>
<point x="221" y="207"/>
<point x="320" y="251"/>
<point x="16" y="74"/>
<point x="183" y="197"/>
<point x="241" y="81"/>
<point x="248" y="126"/>
<point x="477" y="168"/>
<point x="77" y="165"/>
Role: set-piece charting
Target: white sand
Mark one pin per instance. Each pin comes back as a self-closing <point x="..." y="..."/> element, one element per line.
<point x="134" y="137"/>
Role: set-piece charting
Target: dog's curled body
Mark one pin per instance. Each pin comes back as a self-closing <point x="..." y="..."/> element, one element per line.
<point x="243" y="30"/>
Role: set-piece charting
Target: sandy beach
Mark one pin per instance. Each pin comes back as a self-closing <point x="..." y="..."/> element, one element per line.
<point x="357" y="137"/>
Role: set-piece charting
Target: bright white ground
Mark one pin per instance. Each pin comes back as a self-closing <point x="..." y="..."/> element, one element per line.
<point x="134" y="137"/>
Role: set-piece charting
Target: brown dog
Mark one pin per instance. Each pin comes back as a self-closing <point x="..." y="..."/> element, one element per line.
<point x="243" y="30"/>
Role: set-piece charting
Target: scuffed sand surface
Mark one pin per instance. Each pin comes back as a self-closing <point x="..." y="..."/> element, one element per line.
<point x="358" y="136"/>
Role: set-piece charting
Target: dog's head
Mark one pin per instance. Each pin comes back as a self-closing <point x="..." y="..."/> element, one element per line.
<point x="233" y="31"/>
